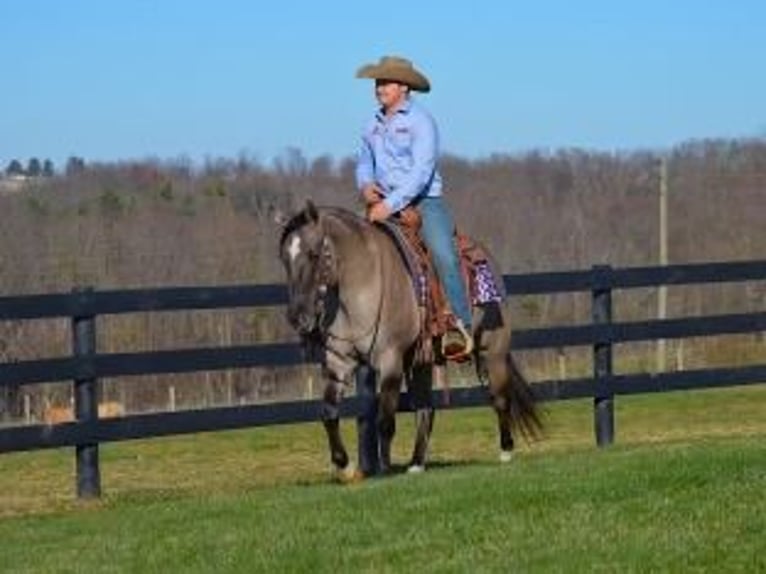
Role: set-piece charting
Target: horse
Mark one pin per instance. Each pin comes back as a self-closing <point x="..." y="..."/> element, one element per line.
<point x="351" y="296"/>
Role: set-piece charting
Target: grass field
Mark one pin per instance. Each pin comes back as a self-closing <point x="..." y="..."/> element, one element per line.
<point x="682" y="490"/>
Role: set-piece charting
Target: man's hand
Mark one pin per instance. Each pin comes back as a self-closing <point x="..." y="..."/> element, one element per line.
<point x="372" y="194"/>
<point x="378" y="211"/>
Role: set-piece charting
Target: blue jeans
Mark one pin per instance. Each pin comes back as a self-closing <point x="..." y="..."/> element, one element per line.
<point x="438" y="234"/>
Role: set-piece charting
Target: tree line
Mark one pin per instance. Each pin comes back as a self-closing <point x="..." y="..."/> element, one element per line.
<point x="170" y="223"/>
<point x="42" y="168"/>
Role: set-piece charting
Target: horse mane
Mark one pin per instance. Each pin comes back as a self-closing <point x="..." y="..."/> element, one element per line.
<point x="304" y="217"/>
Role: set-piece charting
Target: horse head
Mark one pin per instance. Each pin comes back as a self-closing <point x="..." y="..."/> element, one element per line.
<point x="308" y="256"/>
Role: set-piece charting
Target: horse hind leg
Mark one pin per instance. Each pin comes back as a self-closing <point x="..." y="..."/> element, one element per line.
<point x="390" y="373"/>
<point x="498" y="374"/>
<point x="513" y="401"/>
<point x="421" y="383"/>
<point x="389" y="402"/>
<point x="491" y="366"/>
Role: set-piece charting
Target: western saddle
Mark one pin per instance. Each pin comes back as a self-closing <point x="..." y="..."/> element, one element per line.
<point x="437" y="321"/>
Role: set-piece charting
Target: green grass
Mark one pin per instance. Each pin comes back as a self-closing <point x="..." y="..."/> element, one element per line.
<point x="683" y="490"/>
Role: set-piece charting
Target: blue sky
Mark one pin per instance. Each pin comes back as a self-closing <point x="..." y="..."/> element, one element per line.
<point x="121" y="79"/>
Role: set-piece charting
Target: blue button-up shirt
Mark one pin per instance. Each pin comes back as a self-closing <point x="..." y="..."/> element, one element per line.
<point x="399" y="153"/>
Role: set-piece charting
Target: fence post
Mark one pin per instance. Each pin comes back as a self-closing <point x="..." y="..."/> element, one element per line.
<point x="27" y="408"/>
<point x="5" y="404"/>
<point x="85" y="396"/>
<point x="603" y="402"/>
<point x="9" y="402"/>
<point x="367" y="422"/>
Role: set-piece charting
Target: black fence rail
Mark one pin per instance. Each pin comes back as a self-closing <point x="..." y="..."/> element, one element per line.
<point x="87" y="365"/>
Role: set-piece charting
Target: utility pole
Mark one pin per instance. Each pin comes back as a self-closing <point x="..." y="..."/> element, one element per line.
<point x="662" y="295"/>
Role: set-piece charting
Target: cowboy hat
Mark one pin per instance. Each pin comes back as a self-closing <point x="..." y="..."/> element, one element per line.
<point x="397" y="69"/>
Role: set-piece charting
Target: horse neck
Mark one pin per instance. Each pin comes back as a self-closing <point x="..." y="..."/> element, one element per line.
<point x="371" y="279"/>
<point x="349" y="237"/>
<point x="358" y="258"/>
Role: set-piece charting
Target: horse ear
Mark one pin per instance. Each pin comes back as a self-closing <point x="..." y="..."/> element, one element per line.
<point x="312" y="211"/>
<point x="280" y="218"/>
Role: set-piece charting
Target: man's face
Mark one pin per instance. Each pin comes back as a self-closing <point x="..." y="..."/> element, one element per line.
<point x="390" y="93"/>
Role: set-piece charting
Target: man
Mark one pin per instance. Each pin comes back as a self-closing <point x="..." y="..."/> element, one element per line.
<point x="397" y="167"/>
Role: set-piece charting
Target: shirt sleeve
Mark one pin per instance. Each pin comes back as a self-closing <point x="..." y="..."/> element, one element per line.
<point x="424" y="152"/>
<point x="365" y="164"/>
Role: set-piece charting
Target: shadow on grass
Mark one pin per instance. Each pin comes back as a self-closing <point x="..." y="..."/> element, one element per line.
<point x="436" y="465"/>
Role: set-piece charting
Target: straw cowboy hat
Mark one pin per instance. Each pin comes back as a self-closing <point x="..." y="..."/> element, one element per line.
<point x="397" y="69"/>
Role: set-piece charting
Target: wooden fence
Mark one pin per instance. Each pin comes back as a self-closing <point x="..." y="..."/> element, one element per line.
<point x="87" y="365"/>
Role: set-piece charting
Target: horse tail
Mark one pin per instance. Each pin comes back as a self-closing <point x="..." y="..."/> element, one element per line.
<point x="525" y="415"/>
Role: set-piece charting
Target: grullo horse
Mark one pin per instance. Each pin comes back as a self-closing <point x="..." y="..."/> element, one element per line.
<point x="350" y="294"/>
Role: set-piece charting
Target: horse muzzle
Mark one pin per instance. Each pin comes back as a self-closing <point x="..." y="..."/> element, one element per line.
<point x="303" y="322"/>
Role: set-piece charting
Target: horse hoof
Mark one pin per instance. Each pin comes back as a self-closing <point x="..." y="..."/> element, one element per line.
<point x="506" y="456"/>
<point x="416" y="469"/>
<point x="349" y="475"/>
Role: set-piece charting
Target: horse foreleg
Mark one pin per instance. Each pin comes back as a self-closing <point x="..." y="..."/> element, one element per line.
<point x="420" y="387"/>
<point x="345" y="470"/>
<point x="333" y="395"/>
<point x="338" y="371"/>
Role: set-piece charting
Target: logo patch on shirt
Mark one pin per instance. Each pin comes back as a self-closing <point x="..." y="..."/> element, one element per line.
<point x="402" y="130"/>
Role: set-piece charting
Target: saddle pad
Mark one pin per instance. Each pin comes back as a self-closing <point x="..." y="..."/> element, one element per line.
<point x="418" y="276"/>
<point x="485" y="289"/>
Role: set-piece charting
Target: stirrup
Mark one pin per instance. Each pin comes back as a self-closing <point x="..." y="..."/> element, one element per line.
<point x="457" y="343"/>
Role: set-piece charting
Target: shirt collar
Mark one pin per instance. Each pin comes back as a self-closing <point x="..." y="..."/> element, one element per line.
<point x="404" y="108"/>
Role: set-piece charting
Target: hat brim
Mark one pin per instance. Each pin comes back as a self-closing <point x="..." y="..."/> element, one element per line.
<point x="408" y="76"/>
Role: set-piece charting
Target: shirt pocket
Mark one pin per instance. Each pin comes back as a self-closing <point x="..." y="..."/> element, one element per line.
<point x="400" y="142"/>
